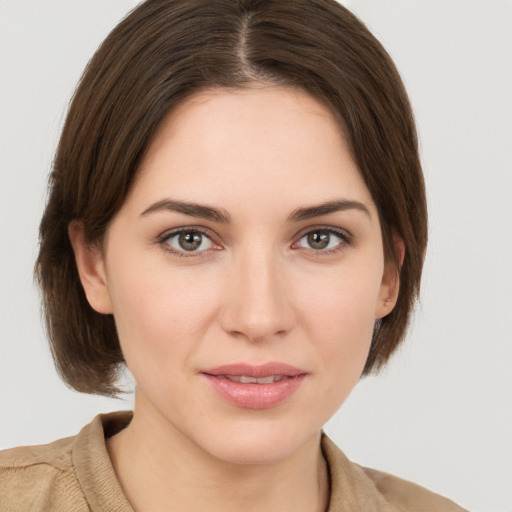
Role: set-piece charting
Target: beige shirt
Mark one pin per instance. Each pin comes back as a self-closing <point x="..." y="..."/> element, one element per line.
<point x="75" y="475"/>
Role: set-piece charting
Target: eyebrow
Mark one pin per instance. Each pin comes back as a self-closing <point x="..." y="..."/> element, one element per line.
<point x="192" y="209"/>
<point x="223" y="217"/>
<point x="339" y="205"/>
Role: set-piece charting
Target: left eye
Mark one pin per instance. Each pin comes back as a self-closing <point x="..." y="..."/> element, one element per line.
<point x="189" y="241"/>
<point x="320" y="240"/>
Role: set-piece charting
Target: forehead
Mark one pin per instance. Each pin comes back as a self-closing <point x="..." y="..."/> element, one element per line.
<point x="251" y="143"/>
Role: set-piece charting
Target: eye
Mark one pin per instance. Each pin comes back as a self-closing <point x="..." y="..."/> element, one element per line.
<point x="190" y="240"/>
<point x="322" y="240"/>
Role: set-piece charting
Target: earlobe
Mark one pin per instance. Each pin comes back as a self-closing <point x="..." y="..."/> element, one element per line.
<point x="390" y="285"/>
<point x="91" y="269"/>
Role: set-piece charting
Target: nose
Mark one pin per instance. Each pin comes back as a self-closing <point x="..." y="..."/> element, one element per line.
<point x="257" y="304"/>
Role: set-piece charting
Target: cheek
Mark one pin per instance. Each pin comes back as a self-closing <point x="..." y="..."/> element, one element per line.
<point x="339" y="313"/>
<point x="159" y="319"/>
<point x="343" y="300"/>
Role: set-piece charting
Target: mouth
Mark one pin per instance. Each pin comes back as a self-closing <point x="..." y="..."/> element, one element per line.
<point x="254" y="373"/>
<point x="245" y="379"/>
<point x="255" y="387"/>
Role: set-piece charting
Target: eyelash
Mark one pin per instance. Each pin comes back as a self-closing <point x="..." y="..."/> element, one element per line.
<point x="346" y="239"/>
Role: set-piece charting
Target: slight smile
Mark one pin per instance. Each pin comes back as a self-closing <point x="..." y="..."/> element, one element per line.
<point x="255" y="387"/>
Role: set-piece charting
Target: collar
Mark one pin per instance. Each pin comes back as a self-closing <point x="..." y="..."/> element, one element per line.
<point x="351" y="489"/>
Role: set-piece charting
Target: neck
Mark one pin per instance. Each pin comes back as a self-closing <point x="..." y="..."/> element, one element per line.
<point x="161" y="469"/>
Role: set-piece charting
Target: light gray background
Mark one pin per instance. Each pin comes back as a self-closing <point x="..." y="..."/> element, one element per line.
<point x="441" y="414"/>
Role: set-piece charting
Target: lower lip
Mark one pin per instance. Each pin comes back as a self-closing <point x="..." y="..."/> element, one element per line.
<point x="255" y="396"/>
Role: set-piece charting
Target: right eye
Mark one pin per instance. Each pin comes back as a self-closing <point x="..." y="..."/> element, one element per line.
<point x="187" y="241"/>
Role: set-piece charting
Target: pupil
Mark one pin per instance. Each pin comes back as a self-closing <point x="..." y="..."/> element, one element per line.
<point x="190" y="241"/>
<point x="318" y="240"/>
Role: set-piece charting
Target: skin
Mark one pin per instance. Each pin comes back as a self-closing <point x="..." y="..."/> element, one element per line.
<point x="255" y="291"/>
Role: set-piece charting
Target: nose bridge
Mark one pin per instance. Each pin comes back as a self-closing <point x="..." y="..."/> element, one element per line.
<point x="257" y="305"/>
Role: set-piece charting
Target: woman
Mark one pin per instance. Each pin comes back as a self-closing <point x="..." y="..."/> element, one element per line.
<point x="236" y="213"/>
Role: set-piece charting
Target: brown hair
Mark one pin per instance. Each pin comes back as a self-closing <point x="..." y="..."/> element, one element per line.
<point x="160" y="54"/>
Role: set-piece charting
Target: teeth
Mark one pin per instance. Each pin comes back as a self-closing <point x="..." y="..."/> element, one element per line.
<point x="244" y="379"/>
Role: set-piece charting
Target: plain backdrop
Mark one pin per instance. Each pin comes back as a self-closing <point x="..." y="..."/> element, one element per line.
<point x="441" y="413"/>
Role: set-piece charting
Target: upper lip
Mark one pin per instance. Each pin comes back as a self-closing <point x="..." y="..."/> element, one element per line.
<point x="248" y="370"/>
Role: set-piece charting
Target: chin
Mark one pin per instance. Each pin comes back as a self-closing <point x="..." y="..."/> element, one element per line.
<point x="252" y="452"/>
<point x="256" y="444"/>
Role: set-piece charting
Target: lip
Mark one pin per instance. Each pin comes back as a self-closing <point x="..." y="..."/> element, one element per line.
<point x="253" y="395"/>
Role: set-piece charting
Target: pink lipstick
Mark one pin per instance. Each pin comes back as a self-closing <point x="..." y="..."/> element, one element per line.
<point x="255" y="387"/>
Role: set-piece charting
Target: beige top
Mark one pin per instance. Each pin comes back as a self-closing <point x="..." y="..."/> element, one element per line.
<point x="75" y="475"/>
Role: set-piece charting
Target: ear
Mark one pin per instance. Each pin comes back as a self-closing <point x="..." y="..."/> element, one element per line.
<point x="390" y="285"/>
<point x="91" y="269"/>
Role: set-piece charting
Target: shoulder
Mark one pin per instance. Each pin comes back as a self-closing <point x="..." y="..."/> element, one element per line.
<point x="369" y="489"/>
<point x="73" y="474"/>
<point x="408" y="495"/>
<point x="33" y="477"/>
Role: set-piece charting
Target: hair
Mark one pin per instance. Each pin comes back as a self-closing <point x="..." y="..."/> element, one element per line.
<point x="160" y="54"/>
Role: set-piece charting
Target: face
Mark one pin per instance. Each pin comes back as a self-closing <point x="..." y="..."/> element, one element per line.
<point x="245" y="272"/>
